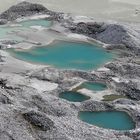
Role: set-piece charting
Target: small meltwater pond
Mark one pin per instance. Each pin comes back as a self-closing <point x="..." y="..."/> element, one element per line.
<point x="93" y="86"/>
<point x="67" y="55"/>
<point x="116" y="120"/>
<point x="40" y="22"/>
<point x="73" y="96"/>
<point x="6" y="30"/>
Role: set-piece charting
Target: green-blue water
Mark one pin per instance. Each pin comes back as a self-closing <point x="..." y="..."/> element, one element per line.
<point x="68" y="55"/>
<point x="111" y="120"/>
<point x="73" y="96"/>
<point x="40" y="22"/>
<point x="93" y="86"/>
<point x="6" y="30"/>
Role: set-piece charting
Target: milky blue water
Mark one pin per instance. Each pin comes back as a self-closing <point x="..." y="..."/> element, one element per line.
<point x="40" y="22"/>
<point x="93" y="86"/>
<point x="73" y="96"/>
<point x="67" y="55"/>
<point x="111" y="120"/>
<point x="7" y="30"/>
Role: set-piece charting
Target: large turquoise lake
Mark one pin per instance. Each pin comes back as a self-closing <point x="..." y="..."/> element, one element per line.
<point x="67" y="55"/>
<point x="110" y="119"/>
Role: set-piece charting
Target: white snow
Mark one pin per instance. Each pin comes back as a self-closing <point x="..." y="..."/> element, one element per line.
<point x="77" y="36"/>
<point x="32" y="17"/>
<point x="42" y="86"/>
<point x="116" y="79"/>
<point x="103" y="69"/>
<point x="95" y="95"/>
<point x="40" y="28"/>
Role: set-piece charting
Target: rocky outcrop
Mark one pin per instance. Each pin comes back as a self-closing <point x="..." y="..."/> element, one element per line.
<point x="90" y="29"/>
<point x="124" y="76"/>
<point x="25" y="9"/>
<point x="22" y="10"/>
<point x="39" y="120"/>
<point x="121" y="37"/>
<point x="95" y="106"/>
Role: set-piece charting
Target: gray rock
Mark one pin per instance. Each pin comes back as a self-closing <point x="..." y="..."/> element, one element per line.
<point x="3" y="21"/>
<point x="128" y="71"/>
<point x="133" y="135"/>
<point x="4" y="99"/>
<point x="113" y="34"/>
<point x="52" y="106"/>
<point x="95" y="106"/>
<point x="9" y="42"/>
<point x="39" y="120"/>
<point x="25" y="9"/>
<point x="21" y="10"/>
<point x="89" y="29"/>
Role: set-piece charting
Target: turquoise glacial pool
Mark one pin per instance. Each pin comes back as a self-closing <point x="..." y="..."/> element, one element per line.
<point x="116" y="120"/>
<point x="66" y="55"/>
<point x="94" y="86"/>
<point x="6" y="29"/>
<point x="40" y="22"/>
<point x="73" y="96"/>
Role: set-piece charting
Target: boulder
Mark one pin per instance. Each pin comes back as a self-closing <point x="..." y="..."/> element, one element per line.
<point x="39" y="120"/>
<point x="3" y="21"/>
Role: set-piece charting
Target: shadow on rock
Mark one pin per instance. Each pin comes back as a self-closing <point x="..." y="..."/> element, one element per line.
<point x="39" y="120"/>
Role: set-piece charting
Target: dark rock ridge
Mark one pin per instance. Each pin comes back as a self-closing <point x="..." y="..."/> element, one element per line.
<point x="115" y="34"/>
<point x="25" y="9"/>
<point x="22" y="10"/>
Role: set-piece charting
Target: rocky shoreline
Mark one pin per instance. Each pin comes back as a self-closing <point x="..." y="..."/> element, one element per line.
<point x="31" y="113"/>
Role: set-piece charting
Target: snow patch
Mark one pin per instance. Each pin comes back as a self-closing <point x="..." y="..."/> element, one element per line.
<point x="42" y="86"/>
